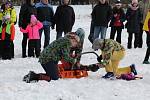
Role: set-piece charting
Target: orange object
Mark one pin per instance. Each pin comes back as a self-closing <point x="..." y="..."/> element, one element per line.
<point x="66" y="72"/>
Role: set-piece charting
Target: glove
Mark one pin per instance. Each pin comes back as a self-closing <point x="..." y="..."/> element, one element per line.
<point x="93" y="67"/>
<point x="99" y="59"/>
<point x="76" y="66"/>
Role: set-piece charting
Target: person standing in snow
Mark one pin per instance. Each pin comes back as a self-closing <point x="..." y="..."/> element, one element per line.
<point x="45" y="15"/>
<point x="26" y="10"/>
<point x="117" y="20"/>
<point x="7" y="33"/>
<point x="101" y="15"/>
<point x="145" y="5"/>
<point x="50" y="56"/>
<point x="146" y="27"/>
<point x="112" y="53"/>
<point x="64" y="18"/>
<point x="134" y="18"/>
<point x="1" y="17"/>
<point x="34" y="37"/>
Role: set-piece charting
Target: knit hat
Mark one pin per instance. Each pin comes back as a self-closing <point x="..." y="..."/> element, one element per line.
<point x="97" y="44"/>
<point x="81" y="33"/>
<point x="72" y="35"/>
<point x="33" y="19"/>
<point x="134" y="1"/>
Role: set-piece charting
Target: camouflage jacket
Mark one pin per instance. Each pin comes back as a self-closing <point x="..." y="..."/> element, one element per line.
<point x="57" y="50"/>
<point x="109" y="47"/>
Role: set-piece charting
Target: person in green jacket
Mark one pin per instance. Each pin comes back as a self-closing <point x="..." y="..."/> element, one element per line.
<point x="51" y="55"/>
<point x="9" y="9"/>
<point x="112" y="52"/>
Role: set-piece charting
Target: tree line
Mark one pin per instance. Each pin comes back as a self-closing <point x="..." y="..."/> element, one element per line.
<point x="74" y="2"/>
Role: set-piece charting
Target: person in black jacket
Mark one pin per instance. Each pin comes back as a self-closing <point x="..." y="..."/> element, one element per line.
<point x="134" y="18"/>
<point x="117" y="20"/>
<point x="27" y="9"/>
<point x="45" y="15"/>
<point x="101" y="15"/>
<point x="64" y="18"/>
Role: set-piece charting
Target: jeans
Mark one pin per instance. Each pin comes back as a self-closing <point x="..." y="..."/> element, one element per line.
<point x="100" y="30"/>
<point x="51" y="69"/>
<point x="46" y="29"/>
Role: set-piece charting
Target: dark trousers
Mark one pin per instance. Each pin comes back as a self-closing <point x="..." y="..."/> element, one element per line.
<point x="113" y="32"/>
<point x="136" y="36"/>
<point x="46" y="29"/>
<point x="91" y="35"/>
<point x="148" y="49"/>
<point x="140" y="44"/>
<point x="148" y="39"/>
<point x="1" y="48"/>
<point x="24" y="44"/>
<point x="51" y="69"/>
<point x="34" y="47"/>
<point x="59" y="33"/>
<point x="7" y="49"/>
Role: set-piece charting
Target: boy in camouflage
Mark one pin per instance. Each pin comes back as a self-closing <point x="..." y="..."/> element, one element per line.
<point x="112" y="53"/>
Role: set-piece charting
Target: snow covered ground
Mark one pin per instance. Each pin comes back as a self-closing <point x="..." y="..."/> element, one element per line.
<point x="92" y="87"/>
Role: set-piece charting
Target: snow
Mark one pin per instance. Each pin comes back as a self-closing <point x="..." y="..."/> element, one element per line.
<point x="92" y="87"/>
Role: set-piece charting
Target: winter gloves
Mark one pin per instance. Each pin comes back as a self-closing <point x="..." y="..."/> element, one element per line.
<point x="99" y="59"/>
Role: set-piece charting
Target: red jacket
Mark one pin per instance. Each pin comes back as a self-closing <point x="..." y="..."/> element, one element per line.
<point x="12" y="32"/>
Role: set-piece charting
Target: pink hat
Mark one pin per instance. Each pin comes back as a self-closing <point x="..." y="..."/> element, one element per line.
<point x="33" y="19"/>
<point x="135" y="1"/>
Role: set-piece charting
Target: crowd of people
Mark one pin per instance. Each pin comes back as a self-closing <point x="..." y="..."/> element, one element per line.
<point x="37" y="18"/>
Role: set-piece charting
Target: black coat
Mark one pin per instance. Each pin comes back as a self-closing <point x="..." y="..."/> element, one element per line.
<point x="122" y="17"/>
<point x="134" y="18"/>
<point x="25" y="14"/>
<point x="64" y="18"/>
<point x="101" y="14"/>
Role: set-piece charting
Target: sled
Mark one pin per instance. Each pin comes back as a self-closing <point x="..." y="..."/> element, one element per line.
<point x="67" y="71"/>
<point x="71" y="73"/>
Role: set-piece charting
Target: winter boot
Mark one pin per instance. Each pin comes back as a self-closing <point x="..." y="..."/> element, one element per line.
<point x="146" y="62"/>
<point x="31" y="77"/>
<point x="108" y="75"/>
<point x="133" y="70"/>
<point x="44" y="77"/>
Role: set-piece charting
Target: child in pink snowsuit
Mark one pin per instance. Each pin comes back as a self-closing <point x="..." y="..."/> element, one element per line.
<point x="33" y="34"/>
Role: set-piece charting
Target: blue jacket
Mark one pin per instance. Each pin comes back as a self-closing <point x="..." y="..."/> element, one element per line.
<point x="45" y="13"/>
